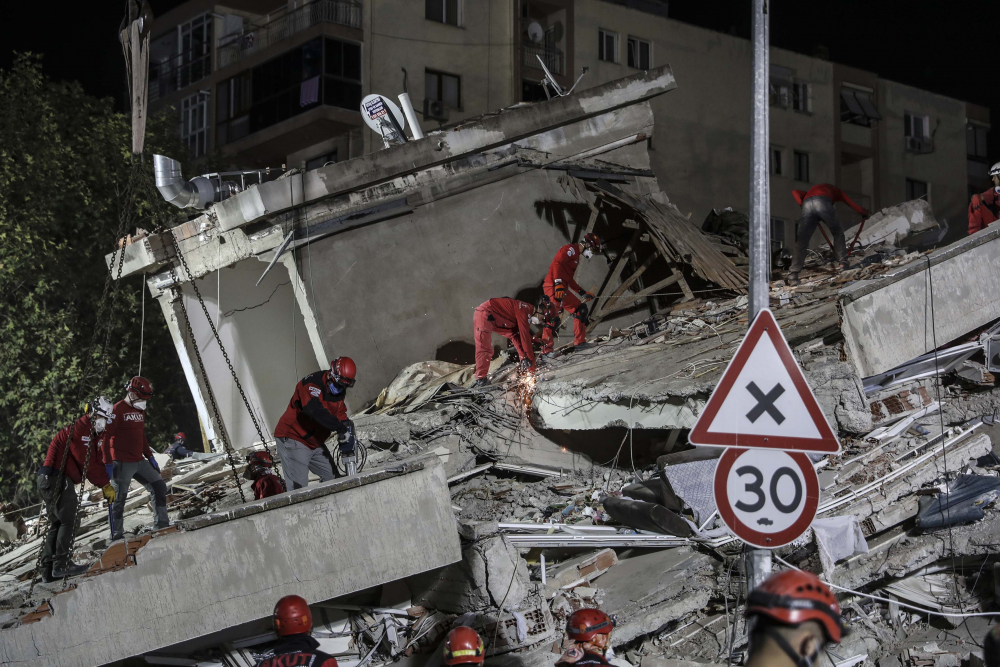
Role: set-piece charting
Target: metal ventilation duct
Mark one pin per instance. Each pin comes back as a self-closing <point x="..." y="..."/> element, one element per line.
<point x="199" y="192"/>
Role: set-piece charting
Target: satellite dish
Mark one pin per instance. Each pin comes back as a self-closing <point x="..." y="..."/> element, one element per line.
<point x="385" y="118"/>
<point x="535" y="32"/>
<point x="557" y="31"/>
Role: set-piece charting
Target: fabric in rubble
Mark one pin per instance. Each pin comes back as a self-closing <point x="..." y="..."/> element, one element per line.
<point x="646" y="516"/>
<point x="964" y="502"/>
<point x="838" y="537"/>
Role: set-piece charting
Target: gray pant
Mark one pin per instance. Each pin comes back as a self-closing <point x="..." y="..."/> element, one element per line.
<point x="297" y="461"/>
<point x="60" y="516"/>
<point x="147" y="475"/>
<point x="815" y="209"/>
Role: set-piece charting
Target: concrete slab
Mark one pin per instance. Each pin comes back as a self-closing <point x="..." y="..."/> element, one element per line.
<point x="229" y="568"/>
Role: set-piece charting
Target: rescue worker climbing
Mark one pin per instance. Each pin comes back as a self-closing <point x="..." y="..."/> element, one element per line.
<point x="796" y="615"/>
<point x="265" y="482"/>
<point x="315" y="411"/>
<point x="463" y="646"/>
<point x="985" y="206"/>
<point x="293" y="624"/>
<point x="61" y="503"/>
<point x="559" y="285"/>
<point x="511" y="319"/>
<point x="590" y="631"/>
<point x="127" y="455"/>
<point x="817" y="204"/>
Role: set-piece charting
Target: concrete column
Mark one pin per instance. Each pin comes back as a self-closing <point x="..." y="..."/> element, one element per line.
<point x="300" y="287"/>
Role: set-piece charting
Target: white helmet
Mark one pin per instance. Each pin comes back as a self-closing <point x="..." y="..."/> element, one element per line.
<point x="101" y="406"/>
<point x="995" y="169"/>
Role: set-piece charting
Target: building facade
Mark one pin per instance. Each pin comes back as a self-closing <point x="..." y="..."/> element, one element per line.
<point x="271" y="86"/>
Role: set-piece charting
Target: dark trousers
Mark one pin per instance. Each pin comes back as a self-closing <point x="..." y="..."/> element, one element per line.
<point x="123" y="473"/>
<point x="60" y="513"/>
<point x="815" y="209"/>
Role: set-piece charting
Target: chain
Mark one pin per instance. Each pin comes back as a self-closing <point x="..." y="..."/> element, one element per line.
<point x="222" y="348"/>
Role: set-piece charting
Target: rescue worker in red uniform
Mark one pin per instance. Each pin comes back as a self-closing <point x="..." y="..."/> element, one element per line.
<point x="547" y="317"/>
<point x="463" y="646"/>
<point x="61" y="503"/>
<point x="817" y="204"/>
<point x="985" y="207"/>
<point x="511" y="319"/>
<point x="296" y="646"/>
<point x="316" y="410"/>
<point x="590" y="630"/>
<point x="127" y="455"/>
<point x="265" y="483"/>
<point x="796" y="616"/>
<point x="559" y="285"/>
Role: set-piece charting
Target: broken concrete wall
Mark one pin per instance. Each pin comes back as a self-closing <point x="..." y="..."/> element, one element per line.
<point x="320" y="542"/>
<point x="894" y="224"/>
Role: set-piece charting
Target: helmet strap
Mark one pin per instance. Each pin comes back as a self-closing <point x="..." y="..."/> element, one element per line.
<point x="799" y="660"/>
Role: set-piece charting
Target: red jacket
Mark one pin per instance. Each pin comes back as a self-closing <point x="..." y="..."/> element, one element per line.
<point x="831" y="192"/>
<point x="313" y="413"/>
<point x="77" y="453"/>
<point x="983" y="210"/>
<point x="564" y="265"/>
<point x="266" y="486"/>
<point x="513" y="316"/>
<point x="125" y="435"/>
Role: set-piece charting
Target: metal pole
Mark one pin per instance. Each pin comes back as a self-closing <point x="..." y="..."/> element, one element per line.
<point x="758" y="561"/>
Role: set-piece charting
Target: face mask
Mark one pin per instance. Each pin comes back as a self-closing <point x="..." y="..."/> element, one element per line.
<point x="588" y="253"/>
<point x="139" y="405"/>
<point x="99" y="424"/>
<point x="535" y="320"/>
<point x="334" y="387"/>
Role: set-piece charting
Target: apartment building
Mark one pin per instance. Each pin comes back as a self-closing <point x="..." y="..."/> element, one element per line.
<point x="270" y="85"/>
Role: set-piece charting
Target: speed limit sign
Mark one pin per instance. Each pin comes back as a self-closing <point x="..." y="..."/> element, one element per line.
<point x="767" y="498"/>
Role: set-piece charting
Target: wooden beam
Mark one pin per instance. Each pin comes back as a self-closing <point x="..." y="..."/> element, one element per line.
<point x="629" y="301"/>
<point x="628" y="283"/>
<point x="616" y="271"/>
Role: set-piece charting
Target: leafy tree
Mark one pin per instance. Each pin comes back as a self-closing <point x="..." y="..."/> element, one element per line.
<point x="67" y="179"/>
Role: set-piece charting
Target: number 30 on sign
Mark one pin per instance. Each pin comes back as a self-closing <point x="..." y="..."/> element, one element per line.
<point x="767" y="498"/>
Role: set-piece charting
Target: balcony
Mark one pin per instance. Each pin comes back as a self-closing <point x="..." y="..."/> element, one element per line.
<point x="179" y="72"/>
<point x="342" y="12"/>
<point x="551" y="56"/>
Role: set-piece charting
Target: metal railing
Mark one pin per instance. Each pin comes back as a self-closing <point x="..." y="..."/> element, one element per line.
<point x="343" y="12"/>
<point x="179" y="72"/>
<point x="552" y="57"/>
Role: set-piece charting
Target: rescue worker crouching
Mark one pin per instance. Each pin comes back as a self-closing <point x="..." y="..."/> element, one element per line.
<point x="818" y="204"/>
<point x="127" y="455"/>
<point x="293" y="624"/>
<point x="265" y="482"/>
<point x="796" y="615"/>
<point x="315" y="411"/>
<point x="177" y="450"/>
<point x="511" y="319"/>
<point x="61" y="503"/>
<point x="590" y="631"/>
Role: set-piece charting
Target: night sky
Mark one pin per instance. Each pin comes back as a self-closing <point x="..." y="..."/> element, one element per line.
<point x="946" y="46"/>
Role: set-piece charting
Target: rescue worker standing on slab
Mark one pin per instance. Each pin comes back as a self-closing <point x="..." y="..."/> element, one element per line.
<point x="265" y="483"/>
<point x="463" y="646"/>
<point x="559" y="285"/>
<point x="293" y="624"/>
<point x="817" y="204"/>
<point x="316" y="410"/>
<point x="511" y="319"/>
<point x="796" y="615"/>
<point x="61" y="503"/>
<point x="985" y="207"/>
<point x="127" y="455"/>
<point x="590" y="631"/>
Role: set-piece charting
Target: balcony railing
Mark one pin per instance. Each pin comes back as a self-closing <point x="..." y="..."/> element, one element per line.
<point x="552" y="57"/>
<point x="177" y="73"/>
<point x="343" y="12"/>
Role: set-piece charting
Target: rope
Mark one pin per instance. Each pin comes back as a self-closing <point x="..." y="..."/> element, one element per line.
<point x="142" y="324"/>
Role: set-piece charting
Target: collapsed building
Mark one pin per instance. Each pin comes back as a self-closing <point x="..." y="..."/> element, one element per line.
<point x="508" y="507"/>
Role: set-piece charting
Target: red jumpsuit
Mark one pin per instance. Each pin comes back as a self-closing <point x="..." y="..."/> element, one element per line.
<point x="267" y="485"/>
<point x="983" y="210"/>
<point x="563" y="267"/>
<point x="511" y="319"/>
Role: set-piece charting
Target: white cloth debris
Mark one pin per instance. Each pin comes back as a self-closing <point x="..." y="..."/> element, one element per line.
<point x="838" y="537"/>
<point x="522" y="624"/>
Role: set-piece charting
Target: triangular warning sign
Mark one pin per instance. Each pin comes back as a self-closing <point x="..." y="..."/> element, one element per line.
<point x="763" y="400"/>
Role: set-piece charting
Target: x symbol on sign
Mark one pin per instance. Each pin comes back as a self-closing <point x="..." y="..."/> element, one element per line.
<point x="765" y="403"/>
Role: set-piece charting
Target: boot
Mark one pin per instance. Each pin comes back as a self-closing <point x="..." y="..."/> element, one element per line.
<point x="47" y="573"/>
<point x="70" y="570"/>
<point x="481" y="382"/>
<point x="792" y="279"/>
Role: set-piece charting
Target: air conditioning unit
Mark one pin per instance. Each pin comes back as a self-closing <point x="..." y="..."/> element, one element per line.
<point x="919" y="145"/>
<point x="435" y="110"/>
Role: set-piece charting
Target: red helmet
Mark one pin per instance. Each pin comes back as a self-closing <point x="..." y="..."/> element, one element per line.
<point x="463" y="645"/>
<point x="343" y="371"/>
<point x="292" y="616"/>
<point x="585" y="624"/>
<point x="179" y="436"/>
<point x="141" y="386"/>
<point x="592" y="241"/>
<point x="262" y="459"/>
<point x="792" y="597"/>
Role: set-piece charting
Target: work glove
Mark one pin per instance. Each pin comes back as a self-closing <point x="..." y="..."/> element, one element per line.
<point x="152" y="462"/>
<point x="587" y="296"/>
<point x="525" y="365"/>
<point x="109" y="493"/>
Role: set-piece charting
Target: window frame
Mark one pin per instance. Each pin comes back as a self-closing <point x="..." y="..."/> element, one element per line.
<point x="911" y="182"/>
<point x="638" y="41"/>
<point x="602" y="34"/>
<point x="778" y="238"/>
<point x="908" y="125"/>
<point x="440" y="74"/>
<point x="799" y="102"/>
<point x="459" y="12"/>
<point x="780" y="153"/>
<point x="796" y="172"/>
<point x="190" y="106"/>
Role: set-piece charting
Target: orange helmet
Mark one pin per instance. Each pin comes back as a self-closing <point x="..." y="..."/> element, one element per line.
<point x="343" y="371"/>
<point x="463" y="645"/>
<point x="792" y="597"/>
<point x="585" y="624"/>
<point x="292" y="616"/>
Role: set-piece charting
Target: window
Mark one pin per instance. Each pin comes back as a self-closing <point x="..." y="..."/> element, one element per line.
<point x="777" y="233"/>
<point x="857" y="108"/>
<point x="801" y="97"/>
<point x="194" y="123"/>
<point x="976" y="137"/>
<point x="443" y="87"/>
<point x="195" y="47"/>
<point x="232" y="109"/>
<point x="532" y="91"/>
<point x="801" y="166"/>
<point x="639" y="51"/>
<point x="917" y="127"/>
<point x="444" y="11"/>
<point x="320" y="160"/>
<point x="780" y="87"/>
<point x="776" y="161"/>
<point x="607" y="46"/>
<point x="916" y="190"/>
